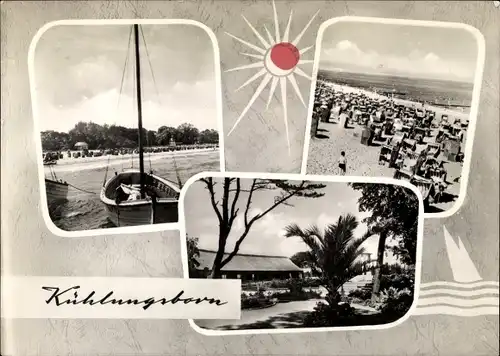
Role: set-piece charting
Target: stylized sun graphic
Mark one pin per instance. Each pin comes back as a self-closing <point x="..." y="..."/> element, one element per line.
<point x="279" y="59"/>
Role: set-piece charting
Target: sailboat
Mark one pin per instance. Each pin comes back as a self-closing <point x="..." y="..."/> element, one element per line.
<point x="134" y="197"/>
<point x="56" y="190"/>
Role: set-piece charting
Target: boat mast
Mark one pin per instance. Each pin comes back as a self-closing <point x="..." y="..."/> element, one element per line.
<point x="139" y="106"/>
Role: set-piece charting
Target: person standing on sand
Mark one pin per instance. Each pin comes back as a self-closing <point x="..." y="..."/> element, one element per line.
<point x="342" y="163"/>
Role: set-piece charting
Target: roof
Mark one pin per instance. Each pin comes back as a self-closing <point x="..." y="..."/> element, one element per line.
<point x="81" y="144"/>
<point x="249" y="262"/>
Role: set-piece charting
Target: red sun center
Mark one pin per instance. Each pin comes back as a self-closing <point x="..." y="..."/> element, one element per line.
<point x="285" y="55"/>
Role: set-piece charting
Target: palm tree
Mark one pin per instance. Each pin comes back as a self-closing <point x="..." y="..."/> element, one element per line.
<point x="335" y="253"/>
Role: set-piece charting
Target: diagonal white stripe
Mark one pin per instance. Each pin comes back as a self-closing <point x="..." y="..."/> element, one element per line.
<point x="257" y="34"/>
<point x="258" y="56"/>
<point x="285" y="109"/>
<point x="300" y="72"/>
<point x="254" y="47"/>
<point x="276" y="24"/>
<point x="274" y="83"/>
<point x="297" y="39"/>
<point x="247" y="66"/>
<point x="305" y="49"/>
<point x="257" y="75"/>
<point x="259" y="90"/>
<point x="292" y="80"/>
<point x="287" y="30"/>
<point x="269" y="36"/>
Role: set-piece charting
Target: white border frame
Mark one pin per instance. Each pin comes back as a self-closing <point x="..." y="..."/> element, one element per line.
<point x="34" y="104"/>
<point x="478" y="79"/>
<point x="332" y="179"/>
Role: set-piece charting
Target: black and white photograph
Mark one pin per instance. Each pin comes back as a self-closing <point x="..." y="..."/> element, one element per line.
<point x="396" y="100"/>
<point x="126" y="114"/>
<point x="309" y="254"/>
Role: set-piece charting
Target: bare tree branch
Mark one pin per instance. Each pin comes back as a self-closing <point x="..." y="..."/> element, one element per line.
<point x="234" y="211"/>
<point x="210" y="186"/>
<point x="278" y="202"/>
<point x="249" y="200"/>
<point x="225" y="200"/>
<point x="257" y="217"/>
<point x="228" y="211"/>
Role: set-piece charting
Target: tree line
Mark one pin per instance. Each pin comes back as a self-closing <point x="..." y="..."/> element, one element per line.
<point x="112" y="136"/>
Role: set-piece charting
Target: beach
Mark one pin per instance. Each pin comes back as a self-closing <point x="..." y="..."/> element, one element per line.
<point x="84" y="210"/>
<point x="332" y="138"/>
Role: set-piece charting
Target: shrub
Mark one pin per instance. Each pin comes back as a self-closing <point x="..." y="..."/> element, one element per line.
<point x="396" y="303"/>
<point x="295" y="286"/>
<point x="255" y="301"/>
<point x="363" y="293"/>
<point x="282" y="283"/>
<point x="296" y="295"/>
<point x="398" y="281"/>
<point x="327" y="315"/>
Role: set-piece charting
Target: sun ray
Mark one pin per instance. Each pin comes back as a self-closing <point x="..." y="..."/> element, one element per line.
<point x="297" y="39"/>
<point x="247" y="66"/>
<point x="295" y="86"/>
<point x="300" y="72"/>
<point x="258" y="56"/>
<point x="273" y="71"/>
<point x="257" y="75"/>
<point x="259" y="90"/>
<point x="274" y="83"/>
<point x="270" y="37"/>
<point x="305" y="49"/>
<point x="254" y="47"/>
<point x="276" y="24"/>
<point x="287" y="30"/>
<point x="257" y="34"/>
<point x="285" y="111"/>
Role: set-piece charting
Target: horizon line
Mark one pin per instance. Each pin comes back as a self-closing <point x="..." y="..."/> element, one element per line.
<point x="399" y="75"/>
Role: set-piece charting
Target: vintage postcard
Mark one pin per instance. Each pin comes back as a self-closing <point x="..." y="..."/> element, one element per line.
<point x="250" y="178"/>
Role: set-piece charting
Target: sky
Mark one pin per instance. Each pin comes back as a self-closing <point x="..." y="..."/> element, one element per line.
<point x="79" y="69"/>
<point x="266" y="236"/>
<point x="412" y="51"/>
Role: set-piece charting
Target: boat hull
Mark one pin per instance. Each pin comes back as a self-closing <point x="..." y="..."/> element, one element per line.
<point x="144" y="211"/>
<point x="142" y="214"/>
<point x="57" y="192"/>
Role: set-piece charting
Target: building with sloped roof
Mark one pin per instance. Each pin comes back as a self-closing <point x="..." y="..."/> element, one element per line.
<point x="249" y="267"/>
<point x="81" y="146"/>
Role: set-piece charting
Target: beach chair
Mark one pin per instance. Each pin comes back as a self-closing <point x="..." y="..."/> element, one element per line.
<point x="385" y="154"/>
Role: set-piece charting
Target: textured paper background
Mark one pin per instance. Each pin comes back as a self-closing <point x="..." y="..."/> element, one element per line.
<point x="28" y="248"/>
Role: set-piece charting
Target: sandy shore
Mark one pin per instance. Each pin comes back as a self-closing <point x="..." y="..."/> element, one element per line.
<point x="332" y="138"/>
<point x="75" y="164"/>
<point x="437" y="109"/>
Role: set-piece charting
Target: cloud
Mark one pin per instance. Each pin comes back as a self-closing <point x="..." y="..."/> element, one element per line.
<point x="346" y="45"/>
<point x="267" y="235"/>
<point x="186" y="102"/>
<point x="80" y="80"/>
<point x="431" y="57"/>
<point x="347" y="54"/>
